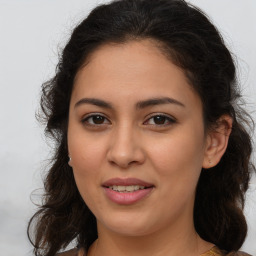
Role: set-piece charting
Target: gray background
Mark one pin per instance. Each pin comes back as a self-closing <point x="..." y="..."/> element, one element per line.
<point x="31" y="32"/>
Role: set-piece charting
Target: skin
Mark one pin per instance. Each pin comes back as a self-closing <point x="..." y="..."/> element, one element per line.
<point x="128" y="142"/>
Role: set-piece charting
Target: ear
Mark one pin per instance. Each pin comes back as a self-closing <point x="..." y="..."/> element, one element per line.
<point x="69" y="161"/>
<point x="217" y="141"/>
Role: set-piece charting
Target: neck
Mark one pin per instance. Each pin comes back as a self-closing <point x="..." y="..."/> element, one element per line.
<point x="170" y="241"/>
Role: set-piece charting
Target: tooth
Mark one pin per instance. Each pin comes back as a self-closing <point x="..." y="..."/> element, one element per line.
<point x="129" y="188"/>
<point x="121" y="188"/>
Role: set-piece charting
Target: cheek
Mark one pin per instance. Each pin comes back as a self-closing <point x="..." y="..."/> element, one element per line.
<point x="178" y="163"/>
<point x="179" y="157"/>
<point x="85" y="182"/>
<point x="87" y="153"/>
<point x="87" y="156"/>
<point x="86" y="170"/>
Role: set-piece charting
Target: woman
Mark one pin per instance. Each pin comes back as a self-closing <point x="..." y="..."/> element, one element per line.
<point x="152" y="155"/>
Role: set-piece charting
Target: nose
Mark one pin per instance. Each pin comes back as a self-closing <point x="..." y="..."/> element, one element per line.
<point x="125" y="148"/>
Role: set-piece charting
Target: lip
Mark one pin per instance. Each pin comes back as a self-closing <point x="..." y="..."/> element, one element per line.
<point x="127" y="198"/>
<point x="126" y="182"/>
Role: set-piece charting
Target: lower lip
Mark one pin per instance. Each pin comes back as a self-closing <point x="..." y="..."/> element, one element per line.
<point x="126" y="198"/>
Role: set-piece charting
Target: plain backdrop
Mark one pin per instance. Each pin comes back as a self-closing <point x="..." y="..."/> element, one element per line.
<point x="31" y="34"/>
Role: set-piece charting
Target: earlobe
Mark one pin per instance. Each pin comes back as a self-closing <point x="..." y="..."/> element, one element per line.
<point x="70" y="161"/>
<point x="217" y="142"/>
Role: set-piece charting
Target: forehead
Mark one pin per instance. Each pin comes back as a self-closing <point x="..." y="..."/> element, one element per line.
<point x="135" y="69"/>
<point x="126" y="58"/>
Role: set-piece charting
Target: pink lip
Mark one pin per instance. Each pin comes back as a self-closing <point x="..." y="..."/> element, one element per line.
<point x="127" y="198"/>
<point x="126" y="182"/>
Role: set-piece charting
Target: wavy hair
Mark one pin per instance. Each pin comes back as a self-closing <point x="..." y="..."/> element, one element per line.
<point x="184" y="34"/>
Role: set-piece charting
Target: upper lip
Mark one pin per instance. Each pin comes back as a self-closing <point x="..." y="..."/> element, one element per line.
<point x="126" y="182"/>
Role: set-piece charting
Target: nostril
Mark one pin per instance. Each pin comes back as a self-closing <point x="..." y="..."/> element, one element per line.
<point x="122" y="164"/>
<point x="124" y="157"/>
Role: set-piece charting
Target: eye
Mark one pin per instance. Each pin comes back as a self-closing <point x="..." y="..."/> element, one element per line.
<point x="95" y="119"/>
<point x="160" y="120"/>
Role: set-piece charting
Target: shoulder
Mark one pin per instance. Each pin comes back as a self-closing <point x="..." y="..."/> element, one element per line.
<point x="238" y="254"/>
<point x="215" y="251"/>
<point x="72" y="252"/>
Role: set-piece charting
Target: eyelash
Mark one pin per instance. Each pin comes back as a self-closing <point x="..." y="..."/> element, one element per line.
<point x="169" y="119"/>
<point x="86" y="118"/>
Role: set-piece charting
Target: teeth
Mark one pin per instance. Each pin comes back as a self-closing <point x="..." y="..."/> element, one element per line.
<point x="121" y="188"/>
<point x="131" y="188"/>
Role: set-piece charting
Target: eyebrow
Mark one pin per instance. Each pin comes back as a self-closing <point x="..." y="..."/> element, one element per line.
<point x="158" y="101"/>
<point x="93" y="101"/>
<point x="139" y="105"/>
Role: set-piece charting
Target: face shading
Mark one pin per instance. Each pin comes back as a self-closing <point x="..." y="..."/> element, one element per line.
<point x="136" y="139"/>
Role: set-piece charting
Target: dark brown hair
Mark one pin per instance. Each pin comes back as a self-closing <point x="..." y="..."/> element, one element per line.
<point x="185" y="34"/>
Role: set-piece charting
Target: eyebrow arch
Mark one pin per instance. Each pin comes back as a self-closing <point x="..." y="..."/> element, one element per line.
<point x="158" y="101"/>
<point x="139" y="105"/>
<point x="93" y="101"/>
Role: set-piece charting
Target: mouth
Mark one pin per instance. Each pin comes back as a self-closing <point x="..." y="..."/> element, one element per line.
<point x="127" y="191"/>
<point x="126" y="184"/>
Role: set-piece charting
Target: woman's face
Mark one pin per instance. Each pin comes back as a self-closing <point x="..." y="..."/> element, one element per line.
<point x="136" y="139"/>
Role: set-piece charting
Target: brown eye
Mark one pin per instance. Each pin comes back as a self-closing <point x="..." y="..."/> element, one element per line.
<point x="98" y="119"/>
<point x="95" y="120"/>
<point x="160" y="120"/>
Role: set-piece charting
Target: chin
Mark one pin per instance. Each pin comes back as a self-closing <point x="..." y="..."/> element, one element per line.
<point x="131" y="230"/>
<point x="128" y="226"/>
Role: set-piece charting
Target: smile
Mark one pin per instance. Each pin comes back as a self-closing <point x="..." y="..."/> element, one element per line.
<point x="126" y="191"/>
